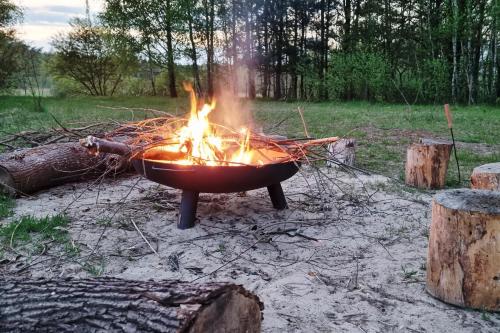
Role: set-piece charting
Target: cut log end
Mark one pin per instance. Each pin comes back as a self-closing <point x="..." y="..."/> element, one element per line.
<point x="7" y="183"/>
<point x="342" y="152"/>
<point x="464" y="249"/>
<point x="486" y="177"/>
<point x="476" y="201"/>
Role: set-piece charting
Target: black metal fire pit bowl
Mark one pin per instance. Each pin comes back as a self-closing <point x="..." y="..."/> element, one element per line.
<point x="195" y="179"/>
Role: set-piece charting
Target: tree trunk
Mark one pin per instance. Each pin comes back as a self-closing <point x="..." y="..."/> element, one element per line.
<point x="194" y="56"/>
<point x="170" y="55"/>
<point x="115" y="305"/>
<point x="427" y="163"/>
<point x="463" y="257"/>
<point x="486" y="177"/>
<point x="29" y="170"/>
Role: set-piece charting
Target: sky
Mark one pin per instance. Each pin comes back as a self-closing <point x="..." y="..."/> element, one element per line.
<point x="42" y="19"/>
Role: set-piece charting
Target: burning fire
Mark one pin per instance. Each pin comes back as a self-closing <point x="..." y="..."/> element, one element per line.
<point x="200" y="142"/>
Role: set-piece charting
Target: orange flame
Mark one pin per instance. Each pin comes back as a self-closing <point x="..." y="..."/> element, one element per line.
<point x="199" y="143"/>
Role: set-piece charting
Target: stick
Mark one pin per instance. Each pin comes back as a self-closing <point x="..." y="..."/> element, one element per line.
<point x="303" y="121"/>
<point x="147" y="242"/>
<point x="447" y="112"/>
<point x="97" y="145"/>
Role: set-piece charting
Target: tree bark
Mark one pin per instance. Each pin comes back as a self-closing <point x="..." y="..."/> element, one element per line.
<point x="463" y="257"/>
<point x="30" y="170"/>
<point x="170" y="53"/>
<point x="116" y="305"/>
<point x="486" y="177"/>
<point x="343" y="152"/>
<point x="427" y="163"/>
<point x="194" y="55"/>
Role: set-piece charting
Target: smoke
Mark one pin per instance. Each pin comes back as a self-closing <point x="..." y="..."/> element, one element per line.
<point x="231" y="111"/>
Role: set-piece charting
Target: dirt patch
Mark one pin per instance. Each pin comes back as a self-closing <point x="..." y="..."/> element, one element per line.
<point x="349" y="255"/>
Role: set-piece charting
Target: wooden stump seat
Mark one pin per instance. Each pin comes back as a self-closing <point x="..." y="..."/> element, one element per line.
<point x="463" y="262"/>
<point x="427" y="163"/>
<point x="486" y="177"/>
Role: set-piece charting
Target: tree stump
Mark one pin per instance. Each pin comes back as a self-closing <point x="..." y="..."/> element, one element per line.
<point x="463" y="263"/>
<point x="115" y="305"/>
<point x="343" y="152"/>
<point x="427" y="163"/>
<point x="486" y="177"/>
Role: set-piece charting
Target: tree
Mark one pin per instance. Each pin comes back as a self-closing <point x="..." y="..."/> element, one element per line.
<point x="92" y="56"/>
<point x="154" y="23"/>
<point x="9" y="45"/>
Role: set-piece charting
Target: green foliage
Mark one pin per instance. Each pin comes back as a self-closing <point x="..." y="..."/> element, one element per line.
<point x="9" y="13"/>
<point x="94" y="57"/>
<point x="63" y="86"/>
<point x="358" y="75"/>
<point x="31" y="234"/>
<point x="10" y="49"/>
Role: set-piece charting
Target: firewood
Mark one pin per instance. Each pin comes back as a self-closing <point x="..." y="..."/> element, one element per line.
<point x="463" y="263"/>
<point x="486" y="177"/>
<point x="116" y="305"/>
<point x="427" y="163"/>
<point x="29" y="170"/>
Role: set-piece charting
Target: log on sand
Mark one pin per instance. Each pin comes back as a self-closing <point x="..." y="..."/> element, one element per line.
<point x="463" y="263"/>
<point x="115" y="305"/>
<point x="427" y="163"/>
<point x="486" y="177"/>
<point x="29" y="170"/>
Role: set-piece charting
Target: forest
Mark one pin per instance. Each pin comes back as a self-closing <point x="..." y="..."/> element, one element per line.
<point x="408" y="51"/>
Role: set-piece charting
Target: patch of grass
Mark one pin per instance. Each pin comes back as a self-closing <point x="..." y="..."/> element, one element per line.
<point x="6" y="205"/>
<point x="31" y="235"/>
<point x="94" y="267"/>
<point x="383" y="131"/>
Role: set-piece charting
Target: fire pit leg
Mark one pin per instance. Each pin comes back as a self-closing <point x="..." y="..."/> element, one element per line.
<point x="277" y="196"/>
<point x="187" y="214"/>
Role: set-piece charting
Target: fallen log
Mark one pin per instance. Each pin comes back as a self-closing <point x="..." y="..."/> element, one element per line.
<point x="116" y="305"/>
<point x="29" y="170"/>
<point x="463" y="263"/>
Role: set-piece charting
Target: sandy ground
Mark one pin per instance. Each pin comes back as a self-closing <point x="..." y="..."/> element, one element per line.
<point x="348" y="256"/>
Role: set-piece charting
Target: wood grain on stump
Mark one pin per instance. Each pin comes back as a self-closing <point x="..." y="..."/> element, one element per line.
<point x="115" y="305"/>
<point x="463" y="263"/>
<point x="486" y="177"/>
<point x="427" y="163"/>
<point x="343" y="151"/>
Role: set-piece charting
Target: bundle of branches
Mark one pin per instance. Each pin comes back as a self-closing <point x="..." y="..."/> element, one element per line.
<point x="166" y="138"/>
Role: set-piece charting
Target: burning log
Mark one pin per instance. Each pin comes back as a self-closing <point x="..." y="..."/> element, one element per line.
<point x="427" y="163"/>
<point x="29" y="170"/>
<point x="464" y="249"/>
<point x="486" y="177"/>
<point x="111" y="304"/>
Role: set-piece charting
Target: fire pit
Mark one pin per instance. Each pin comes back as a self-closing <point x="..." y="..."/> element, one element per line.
<point x="196" y="156"/>
<point x="195" y="179"/>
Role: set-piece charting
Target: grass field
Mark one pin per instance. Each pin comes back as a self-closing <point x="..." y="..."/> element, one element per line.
<point x="383" y="131"/>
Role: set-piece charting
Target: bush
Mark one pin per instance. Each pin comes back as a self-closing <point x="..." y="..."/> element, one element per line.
<point x="358" y="75"/>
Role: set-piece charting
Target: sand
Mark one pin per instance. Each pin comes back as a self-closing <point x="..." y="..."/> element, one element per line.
<point x="347" y="256"/>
